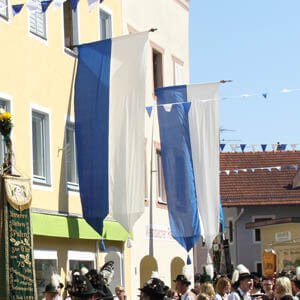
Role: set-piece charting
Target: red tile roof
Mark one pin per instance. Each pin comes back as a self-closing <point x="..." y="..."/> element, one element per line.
<point x="261" y="187"/>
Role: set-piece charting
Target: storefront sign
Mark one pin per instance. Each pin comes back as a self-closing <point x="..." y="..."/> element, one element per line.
<point x="159" y="232"/>
<point x="269" y="262"/>
<point x="282" y="236"/>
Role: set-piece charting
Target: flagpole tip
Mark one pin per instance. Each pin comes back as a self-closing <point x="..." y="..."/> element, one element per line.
<point x="152" y="29"/>
<point x="225" y="81"/>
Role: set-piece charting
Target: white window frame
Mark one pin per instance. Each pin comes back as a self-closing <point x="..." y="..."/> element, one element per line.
<point x="73" y="186"/>
<point x="160" y="182"/>
<point x="35" y="36"/>
<point x="109" y="12"/>
<point x="178" y="66"/>
<point x="36" y="181"/>
<point x="76" y="26"/>
<point x="45" y="254"/>
<point x="122" y="264"/>
<point x="6" y="18"/>
<point x="81" y="256"/>
<point x="228" y="221"/>
<point x="259" y="217"/>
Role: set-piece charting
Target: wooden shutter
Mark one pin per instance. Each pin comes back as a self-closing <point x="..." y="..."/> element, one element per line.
<point x="4" y="9"/>
<point x="38" y="22"/>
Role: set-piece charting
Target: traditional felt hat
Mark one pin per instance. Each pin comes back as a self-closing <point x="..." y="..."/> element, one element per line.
<point x="81" y="286"/>
<point x="54" y="284"/>
<point x="154" y="287"/>
<point x="240" y="273"/>
<point x="182" y="278"/>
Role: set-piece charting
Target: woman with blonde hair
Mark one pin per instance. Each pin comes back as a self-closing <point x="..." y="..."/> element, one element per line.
<point x="208" y="289"/>
<point x="223" y="288"/>
<point x="283" y="289"/>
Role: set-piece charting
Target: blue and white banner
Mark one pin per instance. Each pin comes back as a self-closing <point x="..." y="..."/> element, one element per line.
<point x="189" y="134"/>
<point x="110" y="94"/>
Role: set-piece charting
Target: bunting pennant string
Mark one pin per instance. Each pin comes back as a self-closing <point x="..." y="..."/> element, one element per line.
<point x="269" y="169"/>
<point x="17" y="8"/>
<point x="264" y="147"/>
<point x="45" y="5"/>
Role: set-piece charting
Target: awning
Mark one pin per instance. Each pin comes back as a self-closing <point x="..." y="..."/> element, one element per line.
<point x="76" y="228"/>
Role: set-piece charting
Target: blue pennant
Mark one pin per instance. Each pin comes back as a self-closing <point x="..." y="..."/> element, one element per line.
<point x="187" y="106"/>
<point x="149" y="110"/>
<point x="253" y="169"/>
<point x="236" y="171"/>
<point x="265" y="95"/>
<point x="17" y="8"/>
<point x="264" y="146"/>
<point x="269" y="169"/>
<point x="102" y="245"/>
<point x="243" y="146"/>
<point x="45" y="5"/>
<point x="296" y="167"/>
<point x="283" y="146"/>
<point x="74" y="4"/>
<point x="288" y="167"/>
<point x="188" y="261"/>
<point x="222" y="146"/>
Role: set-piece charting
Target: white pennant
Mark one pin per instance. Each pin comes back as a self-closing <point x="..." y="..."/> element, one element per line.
<point x="233" y="147"/>
<point x="278" y="168"/>
<point x="244" y="170"/>
<point x="274" y="147"/>
<point x="32" y="5"/>
<point x="227" y="172"/>
<point x="92" y="4"/>
<point x="58" y="3"/>
<point x="293" y="146"/>
<point x="254" y="147"/>
<point x="168" y="107"/>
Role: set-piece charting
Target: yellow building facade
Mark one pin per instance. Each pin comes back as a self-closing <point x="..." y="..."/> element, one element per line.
<point x="38" y="69"/>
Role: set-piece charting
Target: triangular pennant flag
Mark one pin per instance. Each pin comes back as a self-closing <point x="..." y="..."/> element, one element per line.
<point x="244" y="170"/>
<point x="58" y="3"/>
<point x="274" y="147"/>
<point x="265" y="95"/>
<point x="222" y="146"/>
<point x="187" y="106"/>
<point x="288" y="167"/>
<point x="17" y="8"/>
<point x="227" y="172"/>
<point x="220" y="172"/>
<point x="243" y="146"/>
<point x="92" y="4"/>
<point x="295" y="167"/>
<point x="253" y="146"/>
<point x="236" y="171"/>
<point x="283" y="147"/>
<point x="253" y="170"/>
<point x="293" y="146"/>
<point x="168" y="107"/>
<point x="149" y="110"/>
<point x="101" y="1"/>
<point x="269" y="169"/>
<point x="32" y="5"/>
<point x="233" y="147"/>
<point x="74" y="4"/>
<point x="278" y="168"/>
<point x="45" y="5"/>
<point x="188" y="261"/>
<point x="263" y="146"/>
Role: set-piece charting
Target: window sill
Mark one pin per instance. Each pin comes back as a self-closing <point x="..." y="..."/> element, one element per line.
<point x="41" y="185"/>
<point x="73" y="187"/>
<point x="70" y="52"/>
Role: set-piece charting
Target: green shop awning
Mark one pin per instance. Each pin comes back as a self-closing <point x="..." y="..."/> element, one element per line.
<point x="77" y="228"/>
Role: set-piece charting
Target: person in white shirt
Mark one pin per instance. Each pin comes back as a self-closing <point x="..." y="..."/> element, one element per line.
<point x="243" y="279"/>
<point x="182" y="287"/>
<point x="223" y="288"/>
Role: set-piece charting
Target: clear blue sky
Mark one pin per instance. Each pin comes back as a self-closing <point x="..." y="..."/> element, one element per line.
<point x="256" y="43"/>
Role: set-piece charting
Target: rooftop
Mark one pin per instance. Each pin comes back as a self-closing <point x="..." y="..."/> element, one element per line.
<point x="250" y="186"/>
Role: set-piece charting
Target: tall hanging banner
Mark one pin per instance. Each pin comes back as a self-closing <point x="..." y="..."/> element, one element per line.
<point x="190" y="158"/>
<point x="110" y="93"/>
<point x="17" y="278"/>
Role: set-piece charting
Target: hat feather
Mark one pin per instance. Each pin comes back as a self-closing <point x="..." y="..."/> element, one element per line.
<point x="209" y="270"/>
<point x="187" y="271"/>
<point x="155" y="275"/>
<point x="84" y="270"/>
<point x="235" y="276"/>
<point x="298" y="273"/>
<point x="55" y="280"/>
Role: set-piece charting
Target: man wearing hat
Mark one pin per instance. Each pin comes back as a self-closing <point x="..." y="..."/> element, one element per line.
<point x="296" y="284"/>
<point x="53" y="289"/>
<point x="242" y="279"/>
<point x="182" y="287"/>
<point x="154" y="289"/>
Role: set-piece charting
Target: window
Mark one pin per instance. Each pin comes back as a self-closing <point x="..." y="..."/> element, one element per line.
<point x="80" y="259"/>
<point x="45" y="264"/>
<point x="178" y="73"/>
<point x="157" y="69"/>
<point x="162" y="198"/>
<point x="70" y="150"/>
<point x="4" y="9"/>
<point x="257" y="237"/>
<point x="259" y="268"/>
<point x="105" y="25"/>
<point x="230" y="229"/>
<point x="71" y="36"/>
<point x="40" y="147"/>
<point x="114" y="254"/>
<point x="4" y="105"/>
<point x="37" y="22"/>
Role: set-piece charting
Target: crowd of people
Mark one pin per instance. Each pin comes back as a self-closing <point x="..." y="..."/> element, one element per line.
<point x="242" y="285"/>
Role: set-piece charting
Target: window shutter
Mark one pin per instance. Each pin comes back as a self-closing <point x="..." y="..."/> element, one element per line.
<point x="38" y="22"/>
<point x="4" y="8"/>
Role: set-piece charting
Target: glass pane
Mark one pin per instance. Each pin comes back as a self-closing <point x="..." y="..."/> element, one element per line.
<point x="159" y="177"/>
<point x="3" y="150"/>
<point x="38" y="146"/>
<point x="43" y="270"/>
<point x="71" y="156"/>
<point x="78" y="264"/>
<point x="68" y="23"/>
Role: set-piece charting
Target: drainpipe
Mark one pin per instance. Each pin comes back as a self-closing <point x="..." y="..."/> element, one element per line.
<point x="97" y="255"/>
<point x="235" y="234"/>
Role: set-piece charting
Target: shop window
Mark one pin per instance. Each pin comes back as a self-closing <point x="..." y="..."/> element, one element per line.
<point x="40" y="147"/>
<point x="6" y="106"/>
<point x="71" y="36"/>
<point x="113" y="254"/>
<point x="257" y="237"/>
<point x="157" y="69"/>
<point x="70" y="151"/>
<point x="259" y="268"/>
<point x="37" y="22"/>
<point x="230" y="229"/>
<point x="105" y="25"/>
<point x="45" y="264"/>
<point x="162" y="198"/>
<point x="79" y="259"/>
<point x="4" y="9"/>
